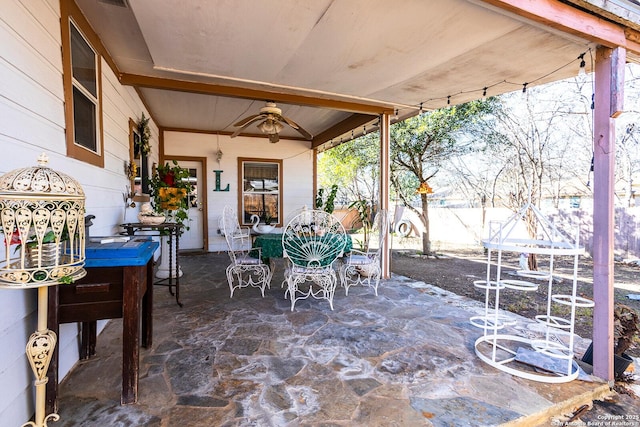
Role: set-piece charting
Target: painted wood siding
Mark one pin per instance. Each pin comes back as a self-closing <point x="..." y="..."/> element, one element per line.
<point x="32" y="122"/>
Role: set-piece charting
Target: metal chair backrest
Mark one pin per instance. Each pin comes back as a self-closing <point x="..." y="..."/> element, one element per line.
<point x="238" y="240"/>
<point x="378" y="231"/>
<point x="313" y="239"/>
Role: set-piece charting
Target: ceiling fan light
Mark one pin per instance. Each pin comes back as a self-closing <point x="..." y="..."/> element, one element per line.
<point x="270" y="127"/>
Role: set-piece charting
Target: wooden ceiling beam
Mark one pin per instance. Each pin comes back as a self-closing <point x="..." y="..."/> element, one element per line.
<point x="568" y="19"/>
<point x="307" y="99"/>
<point x="351" y="122"/>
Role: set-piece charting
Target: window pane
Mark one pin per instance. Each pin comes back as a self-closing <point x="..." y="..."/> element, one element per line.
<point x="261" y="177"/>
<point x="192" y="198"/>
<point x="261" y="170"/>
<point x="84" y="119"/>
<point x="83" y="62"/>
<point x="261" y="204"/>
<point x="136" y="146"/>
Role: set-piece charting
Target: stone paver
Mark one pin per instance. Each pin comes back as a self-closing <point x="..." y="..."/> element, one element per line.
<point x="404" y="358"/>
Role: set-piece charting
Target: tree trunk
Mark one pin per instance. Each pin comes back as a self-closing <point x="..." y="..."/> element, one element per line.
<point x="426" y="242"/>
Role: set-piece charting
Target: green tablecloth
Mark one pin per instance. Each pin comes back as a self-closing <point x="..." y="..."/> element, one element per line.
<point x="271" y="245"/>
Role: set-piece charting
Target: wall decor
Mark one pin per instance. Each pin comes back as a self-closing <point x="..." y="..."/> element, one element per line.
<point x="218" y="174"/>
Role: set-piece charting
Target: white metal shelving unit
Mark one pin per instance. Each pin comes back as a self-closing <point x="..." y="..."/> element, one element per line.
<point x="500" y="349"/>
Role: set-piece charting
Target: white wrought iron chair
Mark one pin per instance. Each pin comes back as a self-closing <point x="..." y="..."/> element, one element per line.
<point x="363" y="267"/>
<point x="312" y="241"/>
<point x="246" y="268"/>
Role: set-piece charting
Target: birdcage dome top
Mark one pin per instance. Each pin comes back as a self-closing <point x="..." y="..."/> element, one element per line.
<point x="40" y="181"/>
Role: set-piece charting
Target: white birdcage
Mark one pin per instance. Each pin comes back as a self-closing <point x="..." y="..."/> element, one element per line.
<point x="42" y="217"/>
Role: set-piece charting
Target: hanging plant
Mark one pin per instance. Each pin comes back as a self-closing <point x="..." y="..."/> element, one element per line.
<point x="145" y="135"/>
<point x="169" y="187"/>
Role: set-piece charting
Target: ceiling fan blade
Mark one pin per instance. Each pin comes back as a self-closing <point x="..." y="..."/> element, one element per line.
<point x="274" y="137"/>
<point x="290" y="122"/>
<point x="247" y="119"/>
<point x="297" y="127"/>
<point x="254" y="118"/>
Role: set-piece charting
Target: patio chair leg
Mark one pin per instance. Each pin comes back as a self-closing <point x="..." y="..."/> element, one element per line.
<point x="292" y="292"/>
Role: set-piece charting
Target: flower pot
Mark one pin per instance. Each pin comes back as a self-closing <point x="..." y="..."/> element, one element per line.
<point x="151" y="219"/>
<point x="263" y="228"/>
<point x="169" y="178"/>
<point x="620" y="363"/>
<point x="49" y="253"/>
<point x="171" y="197"/>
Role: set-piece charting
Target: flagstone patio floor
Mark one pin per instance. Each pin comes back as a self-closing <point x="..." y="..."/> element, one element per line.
<point x="403" y="358"/>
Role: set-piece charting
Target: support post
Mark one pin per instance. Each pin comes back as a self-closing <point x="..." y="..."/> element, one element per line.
<point x="385" y="171"/>
<point x="609" y="83"/>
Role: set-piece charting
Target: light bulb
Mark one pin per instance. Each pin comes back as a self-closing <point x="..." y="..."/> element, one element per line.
<point x="583" y="64"/>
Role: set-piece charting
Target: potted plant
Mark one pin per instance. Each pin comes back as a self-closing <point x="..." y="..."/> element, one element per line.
<point x="362" y="208"/>
<point x="169" y="187"/>
<point x="625" y="331"/>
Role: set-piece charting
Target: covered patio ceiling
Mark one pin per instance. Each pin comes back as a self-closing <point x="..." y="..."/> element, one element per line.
<point x="331" y="65"/>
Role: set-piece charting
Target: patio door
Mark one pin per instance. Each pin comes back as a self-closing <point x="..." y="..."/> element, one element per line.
<point x="193" y="238"/>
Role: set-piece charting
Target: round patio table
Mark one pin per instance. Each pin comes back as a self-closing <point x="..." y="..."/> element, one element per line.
<point x="271" y="245"/>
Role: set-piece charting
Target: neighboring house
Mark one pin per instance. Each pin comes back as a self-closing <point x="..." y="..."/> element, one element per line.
<point x="75" y="77"/>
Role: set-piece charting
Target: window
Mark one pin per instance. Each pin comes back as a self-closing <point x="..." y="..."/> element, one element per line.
<point x="260" y="190"/>
<point x="82" y="87"/>
<point x="139" y="182"/>
<point x="85" y="91"/>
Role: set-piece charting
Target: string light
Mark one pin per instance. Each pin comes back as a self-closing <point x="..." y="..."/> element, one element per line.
<point x="484" y="90"/>
<point x="487" y="87"/>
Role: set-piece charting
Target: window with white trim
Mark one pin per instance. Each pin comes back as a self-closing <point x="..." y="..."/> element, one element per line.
<point x="82" y="55"/>
<point x="85" y="91"/>
<point x="260" y="190"/>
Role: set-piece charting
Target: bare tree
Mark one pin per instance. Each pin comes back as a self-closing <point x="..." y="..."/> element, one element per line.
<point x="421" y="144"/>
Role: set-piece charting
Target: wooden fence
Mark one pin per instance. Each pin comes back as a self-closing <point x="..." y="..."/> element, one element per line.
<point x="451" y="227"/>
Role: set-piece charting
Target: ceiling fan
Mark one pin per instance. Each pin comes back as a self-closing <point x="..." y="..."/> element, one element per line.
<point x="272" y="123"/>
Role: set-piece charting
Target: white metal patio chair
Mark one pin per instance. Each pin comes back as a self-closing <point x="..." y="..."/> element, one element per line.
<point x="312" y="241"/>
<point x="363" y="267"/>
<point x="246" y="268"/>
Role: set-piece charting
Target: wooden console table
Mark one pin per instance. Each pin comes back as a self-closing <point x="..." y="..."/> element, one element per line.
<point x="173" y="231"/>
<point x="117" y="285"/>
